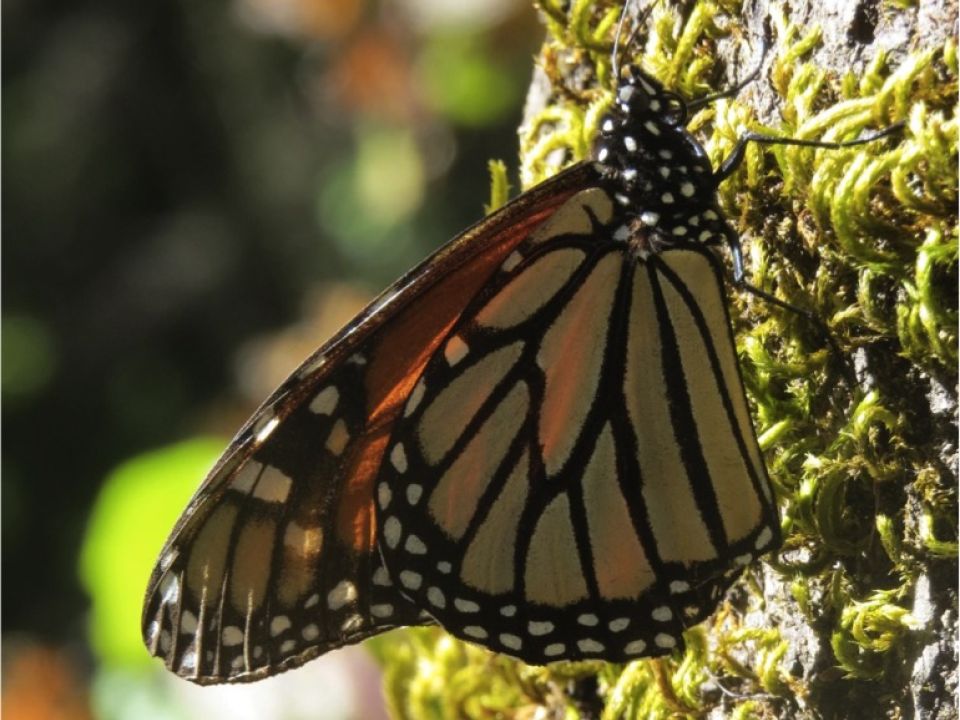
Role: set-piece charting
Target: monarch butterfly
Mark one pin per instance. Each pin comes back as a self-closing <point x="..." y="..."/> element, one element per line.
<point x="538" y="438"/>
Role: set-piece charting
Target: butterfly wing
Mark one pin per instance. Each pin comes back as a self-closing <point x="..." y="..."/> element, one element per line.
<point x="275" y="559"/>
<point x="575" y="474"/>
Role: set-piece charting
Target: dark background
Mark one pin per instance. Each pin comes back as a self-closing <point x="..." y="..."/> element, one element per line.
<point x="183" y="178"/>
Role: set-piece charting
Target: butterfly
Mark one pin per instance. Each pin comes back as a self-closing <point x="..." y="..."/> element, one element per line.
<point x="537" y="438"/>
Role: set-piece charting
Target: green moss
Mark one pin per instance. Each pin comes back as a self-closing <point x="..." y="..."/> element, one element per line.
<point x="864" y="238"/>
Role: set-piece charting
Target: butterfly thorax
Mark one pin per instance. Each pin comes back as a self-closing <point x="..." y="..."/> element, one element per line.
<point x="658" y="174"/>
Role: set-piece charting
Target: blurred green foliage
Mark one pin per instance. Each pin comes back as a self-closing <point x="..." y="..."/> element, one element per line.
<point x="133" y="514"/>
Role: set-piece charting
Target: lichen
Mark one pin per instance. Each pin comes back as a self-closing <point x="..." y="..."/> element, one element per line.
<point x="864" y="238"/>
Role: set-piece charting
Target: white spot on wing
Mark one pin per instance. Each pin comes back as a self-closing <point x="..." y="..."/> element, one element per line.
<point x="398" y="458"/>
<point x="246" y="477"/>
<point x="475" y="632"/>
<point x="343" y="592"/>
<point x="665" y="641"/>
<point x="589" y="645"/>
<point x="391" y="531"/>
<point x="279" y="625"/>
<point x="619" y="625"/>
<point x="410" y="579"/>
<point x="554" y="649"/>
<point x="273" y="486"/>
<point x="635" y="647"/>
<point x="384" y="495"/>
<point x="511" y="641"/>
<point x="310" y="632"/>
<point x="414" y="492"/>
<point x="662" y="614"/>
<point x="338" y="438"/>
<point x="588" y="619"/>
<point x="540" y="628"/>
<point x="465" y="606"/>
<point x="189" y="661"/>
<point x="169" y="589"/>
<point x="415" y="546"/>
<point x="436" y="597"/>
<point x="231" y="636"/>
<point x="763" y="539"/>
<point x="188" y="622"/>
<point x="325" y="401"/>
<point x="381" y="611"/>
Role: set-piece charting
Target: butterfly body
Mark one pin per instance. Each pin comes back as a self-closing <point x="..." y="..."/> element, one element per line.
<point x="538" y="438"/>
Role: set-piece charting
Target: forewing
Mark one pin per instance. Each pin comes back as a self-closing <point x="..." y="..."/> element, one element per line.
<point x="275" y="560"/>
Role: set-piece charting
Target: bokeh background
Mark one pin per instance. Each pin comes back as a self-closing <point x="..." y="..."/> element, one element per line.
<point x="196" y="195"/>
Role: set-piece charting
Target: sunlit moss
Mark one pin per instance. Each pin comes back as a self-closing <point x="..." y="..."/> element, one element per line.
<point x="869" y="633"/>
<point x="499" y="185"/>
<point x="864" y="238"/>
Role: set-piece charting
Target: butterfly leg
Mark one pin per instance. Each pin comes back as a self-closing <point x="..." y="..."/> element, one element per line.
<point x="733" y="160"/>
<point x="739" y="279"/>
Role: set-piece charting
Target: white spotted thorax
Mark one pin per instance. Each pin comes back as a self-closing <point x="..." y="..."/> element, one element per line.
<point x="659" y="174"/>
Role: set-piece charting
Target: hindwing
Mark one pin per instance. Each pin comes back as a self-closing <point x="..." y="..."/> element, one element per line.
<point x="575" y="473"/>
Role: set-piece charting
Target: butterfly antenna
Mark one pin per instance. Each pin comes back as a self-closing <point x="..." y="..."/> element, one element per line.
<point x="733" y="160"/>
<point x="641" y="16"/>
<point x="615" y="57"/>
